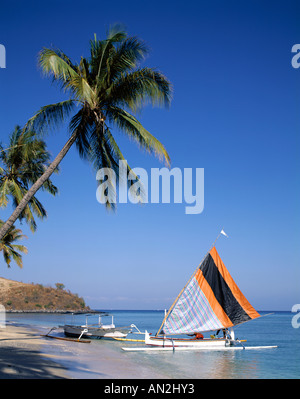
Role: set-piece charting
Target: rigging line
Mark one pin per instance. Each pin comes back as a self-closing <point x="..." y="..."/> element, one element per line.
<point x="246" y="321"/>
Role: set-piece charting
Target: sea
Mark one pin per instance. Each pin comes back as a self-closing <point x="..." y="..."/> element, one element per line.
<point x="279" y="329"/>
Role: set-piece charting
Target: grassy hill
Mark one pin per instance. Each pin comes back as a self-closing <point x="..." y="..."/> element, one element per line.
<point x="17" y="296"/>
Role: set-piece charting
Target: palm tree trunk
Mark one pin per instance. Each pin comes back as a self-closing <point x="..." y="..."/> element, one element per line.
<point x="36" y="186"/>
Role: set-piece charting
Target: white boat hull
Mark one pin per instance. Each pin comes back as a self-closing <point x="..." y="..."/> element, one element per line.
<point x="95" y="332"/>
<point x="205" y="343"/>
<point x="168" y="344"/>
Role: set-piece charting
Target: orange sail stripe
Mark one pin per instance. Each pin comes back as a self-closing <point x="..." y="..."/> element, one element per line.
<point x="217" y="308"/>
<point x="232" y="285"/>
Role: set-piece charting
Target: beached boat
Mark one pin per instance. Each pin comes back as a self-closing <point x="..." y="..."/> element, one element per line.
<point x="96" y="330"/>
<point x="210" y="301"/>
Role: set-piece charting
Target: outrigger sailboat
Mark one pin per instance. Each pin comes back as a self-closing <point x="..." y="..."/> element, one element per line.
<point x="209" y="301"/>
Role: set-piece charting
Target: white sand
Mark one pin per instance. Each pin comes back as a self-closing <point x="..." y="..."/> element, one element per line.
<point x="20" y="356"/>
<point x="25" y="354"/>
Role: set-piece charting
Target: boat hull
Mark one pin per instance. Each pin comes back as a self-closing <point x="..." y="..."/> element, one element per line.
<point x="95" y="332"/>
<point x="169" y="344"/>
<point x="205" y="343"/>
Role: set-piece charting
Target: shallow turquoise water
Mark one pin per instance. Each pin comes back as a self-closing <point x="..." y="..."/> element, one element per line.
<point x="275" y="329"/>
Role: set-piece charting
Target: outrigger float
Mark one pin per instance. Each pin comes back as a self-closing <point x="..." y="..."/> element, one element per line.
<point x="84" y="341"/>
<point x="209" y="301"/>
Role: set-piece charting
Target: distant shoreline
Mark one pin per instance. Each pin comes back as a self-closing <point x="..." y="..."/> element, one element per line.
<point x="58" y="311"/>
<point x="113" y="310"/>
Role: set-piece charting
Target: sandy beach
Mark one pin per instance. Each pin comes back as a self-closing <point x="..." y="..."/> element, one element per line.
<point x="25" y="354"/>
<point x="21" y="355"/>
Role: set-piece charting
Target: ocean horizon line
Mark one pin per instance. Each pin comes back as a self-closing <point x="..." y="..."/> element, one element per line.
<point x="162" y="310"/>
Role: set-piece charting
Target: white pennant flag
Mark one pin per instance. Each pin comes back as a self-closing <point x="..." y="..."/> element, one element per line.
<point x="224" y="234"/>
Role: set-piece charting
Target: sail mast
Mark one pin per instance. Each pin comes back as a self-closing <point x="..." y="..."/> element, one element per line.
<point x="167" y="314"/>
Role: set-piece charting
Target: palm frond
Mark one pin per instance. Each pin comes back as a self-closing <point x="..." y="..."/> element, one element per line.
<point x="117" y="155"/>
<point x="24" y="162"/>
<point x="105" y="153"/>
<point x="101" y="157"/>
<point x="4" y="192"/>
<point x="33" y="206"/>
<point x="134" y="129"/>
<point x="82" y="124"/>
<point x="9" y="249"/>
<point x="50" y="116"/>
<point x="81" y="90"/>
<point x="126" y="57"/>
<point x="17" y="258"/>
<point x="140" y="87"/>
<point x="56" y="63"/>
<point x="115" y="34"/>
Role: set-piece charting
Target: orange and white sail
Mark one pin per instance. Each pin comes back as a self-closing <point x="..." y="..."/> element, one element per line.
<point x="210" y="301"/>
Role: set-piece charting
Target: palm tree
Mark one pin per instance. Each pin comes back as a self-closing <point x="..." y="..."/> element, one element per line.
<point x="23" y="162"/>
<point x="107" y="87"/>
<point x="10" y="250"/>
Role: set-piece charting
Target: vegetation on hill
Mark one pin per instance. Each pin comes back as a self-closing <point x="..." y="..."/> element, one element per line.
<point x="16" y="296"/>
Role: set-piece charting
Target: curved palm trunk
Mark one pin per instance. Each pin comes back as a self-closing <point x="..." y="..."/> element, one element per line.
<point x="36" y="186"/>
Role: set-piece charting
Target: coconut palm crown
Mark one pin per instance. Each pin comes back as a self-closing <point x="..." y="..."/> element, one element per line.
<point x="105" y="90"/>
<point x="10" y="249"/>
<point x="106" y="86"/>
<point x="21" y="164"/>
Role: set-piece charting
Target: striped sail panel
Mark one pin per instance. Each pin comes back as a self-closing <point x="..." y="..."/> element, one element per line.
<point x="192" y="313"/>
<point x="225" y="290"/>
<point x="239" y="297"/>
<point x="210" y="301"/>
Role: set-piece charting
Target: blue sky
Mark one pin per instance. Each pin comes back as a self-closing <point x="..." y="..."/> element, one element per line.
<point x="235" y="113"/>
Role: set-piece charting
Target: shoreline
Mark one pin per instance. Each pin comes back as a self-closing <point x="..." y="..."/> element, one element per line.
<point x="25" y="354"/>
<point x="58" y="311"/>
